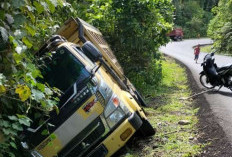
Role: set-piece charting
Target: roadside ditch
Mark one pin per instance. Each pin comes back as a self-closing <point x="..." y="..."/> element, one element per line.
<point x="199" y="135"/>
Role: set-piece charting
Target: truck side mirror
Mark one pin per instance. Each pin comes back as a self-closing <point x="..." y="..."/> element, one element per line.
<point x="91" y="51"/>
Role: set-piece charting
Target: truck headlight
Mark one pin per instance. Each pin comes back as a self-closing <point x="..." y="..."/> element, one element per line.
<point x="115" y="110"/>
<point x="115" y="117"/>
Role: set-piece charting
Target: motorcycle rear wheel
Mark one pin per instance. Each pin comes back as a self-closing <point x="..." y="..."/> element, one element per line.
<point x="205" y="82"/>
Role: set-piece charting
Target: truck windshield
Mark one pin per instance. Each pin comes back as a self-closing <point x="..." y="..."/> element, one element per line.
<point x="63" y="69"/>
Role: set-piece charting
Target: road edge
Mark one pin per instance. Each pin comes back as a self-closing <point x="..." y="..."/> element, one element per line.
<point x="208" y="128"/>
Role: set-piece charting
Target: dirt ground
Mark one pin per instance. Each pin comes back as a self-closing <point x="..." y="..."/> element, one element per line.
<point x="209" y="129"/>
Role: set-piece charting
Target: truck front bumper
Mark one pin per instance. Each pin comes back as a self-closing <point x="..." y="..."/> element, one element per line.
<point x="118" y="137"/>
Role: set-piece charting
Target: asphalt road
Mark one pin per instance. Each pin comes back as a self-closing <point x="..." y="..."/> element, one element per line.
<point x="220" y="102"/>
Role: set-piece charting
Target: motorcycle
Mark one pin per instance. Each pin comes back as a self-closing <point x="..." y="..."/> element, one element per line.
<point x="213" y="76"/>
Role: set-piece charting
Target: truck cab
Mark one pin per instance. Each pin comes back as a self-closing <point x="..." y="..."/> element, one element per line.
<point x="98" y="110"/>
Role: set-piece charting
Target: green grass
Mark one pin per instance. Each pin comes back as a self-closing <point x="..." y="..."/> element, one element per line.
<point x="166" y="111"/>
<point x="207" y="48"/>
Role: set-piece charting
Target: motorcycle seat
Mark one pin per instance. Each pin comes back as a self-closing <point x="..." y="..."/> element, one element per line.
<point x="219" y="69"/>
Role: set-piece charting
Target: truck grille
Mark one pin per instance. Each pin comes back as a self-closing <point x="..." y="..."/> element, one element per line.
<point x="83" y="141"/>
<point x="100" y="98"/>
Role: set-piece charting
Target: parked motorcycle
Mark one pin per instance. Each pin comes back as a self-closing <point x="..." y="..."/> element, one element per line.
<point x="213" y="76"/>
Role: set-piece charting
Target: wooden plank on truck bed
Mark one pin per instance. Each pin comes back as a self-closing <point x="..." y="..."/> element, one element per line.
<point x="69" y="29"/>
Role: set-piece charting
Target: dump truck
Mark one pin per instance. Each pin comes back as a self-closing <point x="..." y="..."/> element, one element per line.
<point x="176" y="34"/>
<point x="99" y="109"/>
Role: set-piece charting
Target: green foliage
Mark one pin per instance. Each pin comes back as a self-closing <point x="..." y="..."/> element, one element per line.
<point x="193" y="16"/>
<point x="24" y="25"/>
<point x="139" y="30"/>
<point x="206" y="49"/>
<point x="220" y="27"/>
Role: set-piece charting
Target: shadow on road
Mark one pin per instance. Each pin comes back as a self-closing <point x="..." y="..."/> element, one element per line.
<point x="229" y="94"/>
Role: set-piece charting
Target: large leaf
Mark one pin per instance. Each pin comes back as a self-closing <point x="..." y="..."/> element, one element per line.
<point x="29" y="78"/>
<point x="48" y="91"/>
<point x="4" y="124"/>
<point x="19" y="34"/>
<point x="2" y="89"/>
<point x="45" y="132"/>
<point x="9" y="18"/>
<point x="23" y="91"/>
<point x="6" y="131"/>
<point x="27" y="42"/>
<point x="39" y="7"/>
<point x="25" y="121"/>
<point x="36" y="73"/>
<point x="19" y="19"/>
<point x="60" y="3"/>
<point x="30" y="30"/>
<point x="51" y="6"/>
<point x="14" y="118"/>
<point x="32" y="17"/>
<point x="13" y="41"/>
<point x="4" y="34"/>
<point x="53" y="136"/>
<point x="2" y="79"/>
<point x="18" y="3"/>
<point x="17" y="126"/>
<point x="13" y="145"/>
<point x="2" y="14"/>
<point x="20" y="48"/>
<point x="40" y="86"/>
<point x="37" y="95"/>
<point x="51" y="104"/>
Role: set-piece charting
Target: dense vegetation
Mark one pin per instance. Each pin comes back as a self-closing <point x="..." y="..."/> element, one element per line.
<point x="23" y="26"/>
<point x="135" y="29"/>
<point x="193" y="16"/>
<point x="220" y="28"/>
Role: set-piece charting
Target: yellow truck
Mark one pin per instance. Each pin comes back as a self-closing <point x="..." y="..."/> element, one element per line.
<point x="99" y="110"/>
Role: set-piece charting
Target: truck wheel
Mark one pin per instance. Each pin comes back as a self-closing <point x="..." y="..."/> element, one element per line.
<point x="179" y="38"/>
<point x="173" y="38"/>
<point x="146" y="129"/>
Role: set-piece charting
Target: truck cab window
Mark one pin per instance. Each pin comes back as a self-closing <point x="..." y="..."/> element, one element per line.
<point x="80" y="52"/>
<point x="62" y="70"/>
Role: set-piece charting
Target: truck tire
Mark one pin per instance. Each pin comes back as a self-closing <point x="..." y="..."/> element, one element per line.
<point x="146" y="129"/>
<point x="179" y="38"/>
<point x="173" y="38"/>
